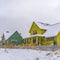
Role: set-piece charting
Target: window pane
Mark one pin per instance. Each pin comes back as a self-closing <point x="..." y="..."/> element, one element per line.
<point x="34" y="32"/>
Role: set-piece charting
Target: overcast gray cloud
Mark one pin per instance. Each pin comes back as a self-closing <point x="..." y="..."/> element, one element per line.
<point x="19" y="14"/>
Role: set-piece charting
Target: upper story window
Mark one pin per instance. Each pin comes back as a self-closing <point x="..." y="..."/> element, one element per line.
<point x="34" y="32"/>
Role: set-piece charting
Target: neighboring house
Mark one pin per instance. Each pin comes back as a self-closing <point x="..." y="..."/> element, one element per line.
<point x="36" y="34"/>
<point x="14" y="39"/>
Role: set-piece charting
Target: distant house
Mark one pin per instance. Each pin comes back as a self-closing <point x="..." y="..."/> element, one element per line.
<point x="43" y="34"/>
<point x="14" y="39"/>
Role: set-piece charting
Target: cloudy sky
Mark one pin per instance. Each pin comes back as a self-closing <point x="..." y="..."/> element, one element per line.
<point x="19" y="14"/>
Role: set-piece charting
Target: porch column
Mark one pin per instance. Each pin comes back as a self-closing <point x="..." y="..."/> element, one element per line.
<point x="37" y="41"/>
<point x="31" y="40"/>
<point x="26" y="41"/>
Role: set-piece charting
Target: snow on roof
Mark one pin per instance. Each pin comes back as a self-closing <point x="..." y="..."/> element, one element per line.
<point x="43" y="25"/>
<point x="53" y="30"/>
<point x="33" y="35"/>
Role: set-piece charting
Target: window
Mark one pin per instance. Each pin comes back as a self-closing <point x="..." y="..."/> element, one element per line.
<point x="50" y="38"/>
<point x="14" y="42"/>
<point x="34" y="32"/>
<point x="34" y="40"/>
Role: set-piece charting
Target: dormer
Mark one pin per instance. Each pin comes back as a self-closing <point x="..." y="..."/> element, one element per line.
<point x="37" y="28"/>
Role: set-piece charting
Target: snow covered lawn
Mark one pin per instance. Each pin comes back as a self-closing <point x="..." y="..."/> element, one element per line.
<point x="28" y="54"/>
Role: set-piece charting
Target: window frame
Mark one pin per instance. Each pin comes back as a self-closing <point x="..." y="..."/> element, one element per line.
<point x="34" y="32"/>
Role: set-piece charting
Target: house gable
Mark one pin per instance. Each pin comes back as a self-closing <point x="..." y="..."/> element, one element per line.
<point x="15" y="38"/>
<point x="35" y="27"/>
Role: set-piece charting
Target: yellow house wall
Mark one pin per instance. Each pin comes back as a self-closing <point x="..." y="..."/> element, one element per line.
<point x="50" y="42"/>
<point x="55" y="40"/>
<point x="58" y="39"/>
<point x="38" y="29"/>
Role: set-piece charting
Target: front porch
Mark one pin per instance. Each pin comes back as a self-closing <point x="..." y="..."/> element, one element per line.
<point x="34" y="41"/>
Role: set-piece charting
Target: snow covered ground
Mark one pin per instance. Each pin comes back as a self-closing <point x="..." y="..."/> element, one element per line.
<point x="28" y="54"/>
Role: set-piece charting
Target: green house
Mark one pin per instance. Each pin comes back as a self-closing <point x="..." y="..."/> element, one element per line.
<point x="15" y="38"/>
